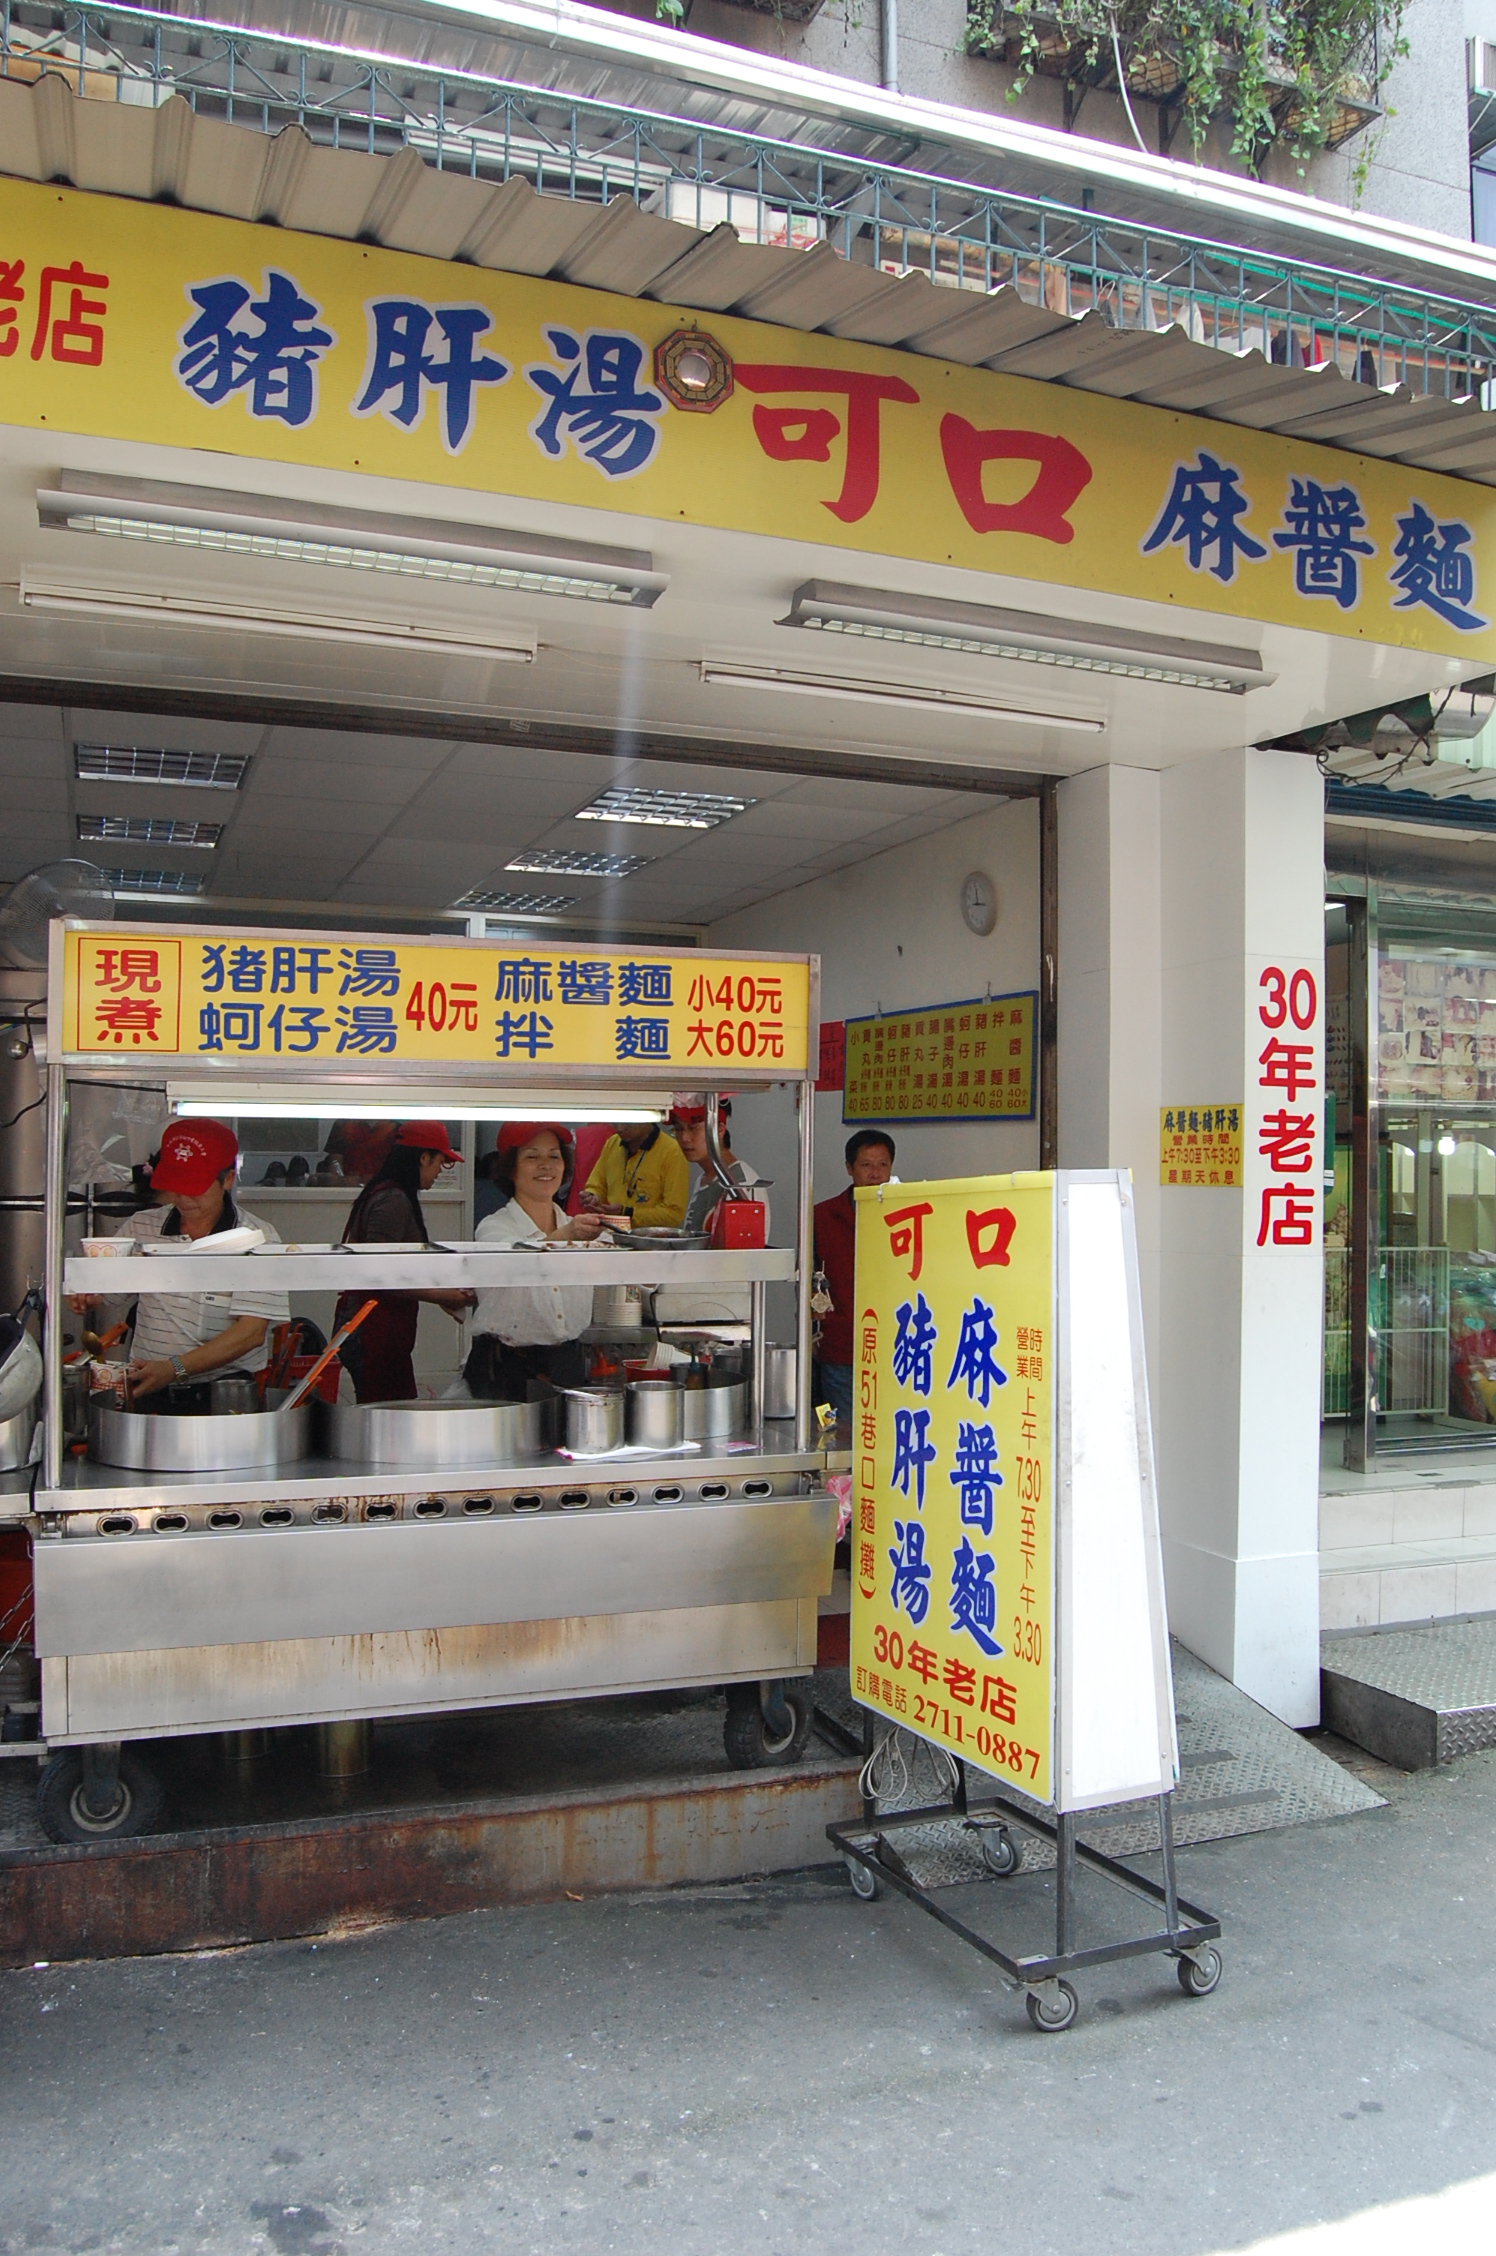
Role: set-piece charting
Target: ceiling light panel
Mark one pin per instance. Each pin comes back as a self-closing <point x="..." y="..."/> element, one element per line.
<point x="665" y="810"/>
<point x="574" y="864"/>
<point x="153" y="513"/>
<point x="135" y="884"/>
<point x="985" y="631"/>
<point x="113" y="763"/>
<point x="518" y="904"/>
<point x="150" y="830"/>
<point x="911" y="696"/>
<point x="239" y="615"/>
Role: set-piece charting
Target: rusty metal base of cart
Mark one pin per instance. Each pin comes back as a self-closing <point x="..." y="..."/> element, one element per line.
<point x="1188" y="1935"/>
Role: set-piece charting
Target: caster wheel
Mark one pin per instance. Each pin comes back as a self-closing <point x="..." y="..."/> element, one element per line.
<point x="750" y="1743"/>
<point x="1052" y="2017"/>
<point x="65" y="1816"/>
<point x="1199" y="1976"/>
<point x="864" y="1883"/>
<point x="1001" y="1854"/>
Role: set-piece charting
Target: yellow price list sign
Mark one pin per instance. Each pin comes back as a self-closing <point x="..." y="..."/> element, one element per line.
<point x="953" y="1454"/>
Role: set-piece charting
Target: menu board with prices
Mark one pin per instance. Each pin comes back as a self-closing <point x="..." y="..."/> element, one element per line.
<point x="946" y="1061"/>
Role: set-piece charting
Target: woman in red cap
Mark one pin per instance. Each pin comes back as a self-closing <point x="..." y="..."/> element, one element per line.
<point x="380" y="1356"/>
<point x="525" y="1332"/>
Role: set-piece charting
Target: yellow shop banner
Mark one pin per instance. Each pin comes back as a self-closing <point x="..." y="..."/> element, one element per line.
<point x="129" y="320"/>
<point x="953" y="1450"/>
<point x="292" y="999"/>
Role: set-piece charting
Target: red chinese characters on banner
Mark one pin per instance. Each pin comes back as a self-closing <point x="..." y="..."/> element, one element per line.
<point x="805" y="434"/>
<point x="69" y="324"/>
<point x="906" y="1235"/>
<point x="989" y="1236"/>
<point x="130" y="996"/>
<point x="1287" y="1118"/>
<point x="1061" y="475"/>
<point x="738" y="1016"/>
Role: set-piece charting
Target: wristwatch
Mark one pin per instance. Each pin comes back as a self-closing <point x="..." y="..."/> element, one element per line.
<point x="179" y="1370"/>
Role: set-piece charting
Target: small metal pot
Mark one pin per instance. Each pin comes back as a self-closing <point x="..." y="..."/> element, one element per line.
<point x="781" y="1389"/>
<point x="709" y="1412"/>
<point x="15" y="1438"/>
<point x="594" y="1420"/>
<point x="654" y="1412"/>
<point x="233" y="1395"/>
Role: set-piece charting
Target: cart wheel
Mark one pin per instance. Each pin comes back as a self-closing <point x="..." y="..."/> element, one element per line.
<point x="864" y="1883"/>
<point x="1198" y="1976"/>
<point x="1001" y="1854"/>
<point x="746" y="1735"/>
<point x="64" y="1815"/>
<point x="1054" y="2012"/>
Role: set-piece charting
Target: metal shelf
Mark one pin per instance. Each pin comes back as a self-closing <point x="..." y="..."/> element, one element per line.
<point x="131" y="1274"/>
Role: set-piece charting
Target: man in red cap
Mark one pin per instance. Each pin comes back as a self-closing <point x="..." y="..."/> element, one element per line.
<point x="380" y="1357"/>
<point x="182" y="1340"/>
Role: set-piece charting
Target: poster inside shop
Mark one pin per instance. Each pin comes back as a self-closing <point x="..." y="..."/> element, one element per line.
<point x="946" y="1061"/>
<point x="953" y="1450"/>
<point x="286" y="998"/>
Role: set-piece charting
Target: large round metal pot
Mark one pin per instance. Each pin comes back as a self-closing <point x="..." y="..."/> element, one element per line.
<point x="244" y="1443"/>
<point x="594" y="1420"/>
<point x="654" y="1412"/>
<point x="430" y="1436"/>
<point x="709" y="1412"/>
<point x="15" y="1438"/>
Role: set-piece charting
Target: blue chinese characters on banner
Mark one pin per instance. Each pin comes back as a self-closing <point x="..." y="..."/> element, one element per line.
<point x="595" y="399"/>
<point x="266" y="347"/>
<point x="1203" y="514"/>
<point x="401" y="369"/>
<point x="1320" y="524"/>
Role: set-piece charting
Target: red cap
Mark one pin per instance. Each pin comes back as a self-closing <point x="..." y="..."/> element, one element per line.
<point x="194" y="1153"/>
<point x="427" y="1135"/>
<point x="686" y="1115"/>
<point x="515" y="1134"/>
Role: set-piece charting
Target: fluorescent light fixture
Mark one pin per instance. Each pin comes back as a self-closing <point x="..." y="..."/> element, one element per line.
<point x="887" y="693"/>
<point x="118" y="763"/>
<point x="983" y="631"/>
<point x="570" y="863"/>
<point x="664" y="810"/>
<point x="519" y="904"/>
<point x="240" y="615"/>
<point x="145" y="885"/>
<point x="151" y="830"/>
<point x="261" y="1100"/>
<point x="156" y="513"/>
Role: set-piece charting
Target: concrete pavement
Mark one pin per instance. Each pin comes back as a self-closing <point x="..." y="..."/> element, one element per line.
<point x="778" y="2068"/>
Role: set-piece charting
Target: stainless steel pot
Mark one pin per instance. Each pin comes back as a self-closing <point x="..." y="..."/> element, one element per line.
<point x="594" y="1420"/>
<point x="232" y="1395"/>
<point x="709" y="1412"/>
<point x="654" y="1416"/>
<point x="429" y="1436"/>
<point x="150" y="1442"/>
<point x="15" y="1438"/>
<point x="781" y="1388"/>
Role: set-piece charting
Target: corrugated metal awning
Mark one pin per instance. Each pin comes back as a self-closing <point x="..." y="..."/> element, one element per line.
<point x="401" y="202"/>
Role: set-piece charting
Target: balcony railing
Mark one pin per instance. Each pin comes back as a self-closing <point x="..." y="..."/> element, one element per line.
<point x="962" y="236"/>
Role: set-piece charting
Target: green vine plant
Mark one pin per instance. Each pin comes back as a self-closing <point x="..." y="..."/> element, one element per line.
<point x="1277" y="73"/>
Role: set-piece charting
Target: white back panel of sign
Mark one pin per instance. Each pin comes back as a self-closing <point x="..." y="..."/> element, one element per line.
<point x="1115" y="1696"/>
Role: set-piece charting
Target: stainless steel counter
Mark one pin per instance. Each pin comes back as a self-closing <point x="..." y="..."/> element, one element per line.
<point x="124" y="1275"/>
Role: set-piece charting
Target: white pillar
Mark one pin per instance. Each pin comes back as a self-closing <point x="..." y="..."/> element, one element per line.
<point x="1178" y="893"/>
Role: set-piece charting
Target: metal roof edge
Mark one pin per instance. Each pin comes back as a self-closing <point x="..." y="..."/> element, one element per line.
<point x="1200" y="195"/>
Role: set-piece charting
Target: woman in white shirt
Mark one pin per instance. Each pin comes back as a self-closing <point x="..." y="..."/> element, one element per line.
<point x="525" y="1332"/>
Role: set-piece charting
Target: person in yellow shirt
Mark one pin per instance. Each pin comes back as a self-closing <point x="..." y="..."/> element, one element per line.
<point x="641" y="1173"/>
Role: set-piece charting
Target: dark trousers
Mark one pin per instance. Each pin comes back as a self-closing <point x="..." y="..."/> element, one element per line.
<point x="496" y="1372"/>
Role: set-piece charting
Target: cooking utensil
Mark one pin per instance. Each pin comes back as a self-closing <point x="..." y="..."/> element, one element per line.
<point x="303" y="1387"/>
<point x="669" y="1241"/>
<point x="233" y="1395"/>
<point x="242" y="1240"/>
<point x="710" y="1412"/>
<point x="433" y="1436"/>
<point x="15" y="1438"/>
<point x="594" y="1420"/>
<point x="148" y="1441"/>
<point x="781" y="1388"/>
<point x="653" y="1416"/>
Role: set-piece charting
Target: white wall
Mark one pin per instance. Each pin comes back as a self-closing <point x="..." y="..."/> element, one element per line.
<point x="890" y="936"/>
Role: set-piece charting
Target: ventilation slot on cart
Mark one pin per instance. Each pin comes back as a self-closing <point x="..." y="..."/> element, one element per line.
<point x="431" y="1508"/>
<point x="712" y="1492"/>
<point x="117" y="1523"/>
<point x="758" y="1488"/>
<point x="476" y="1506"/>
<point x="527" y="1503"/>
<point x="329" y="1515"/>
<point x="671" y="1495"/>
<point x="381" y="1511"/>
<point x="575" y="1499"/>
<point x="277" y="1515"/>
<point x="169" y="1523"/>
<point x="225" y="1519"/>
<point x="623" y="1496"/>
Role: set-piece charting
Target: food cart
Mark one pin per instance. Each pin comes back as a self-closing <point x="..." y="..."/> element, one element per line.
<point x="436" y="1573"/>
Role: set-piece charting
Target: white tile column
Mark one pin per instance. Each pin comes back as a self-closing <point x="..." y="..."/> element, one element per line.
<point x="1178" y="894"/>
